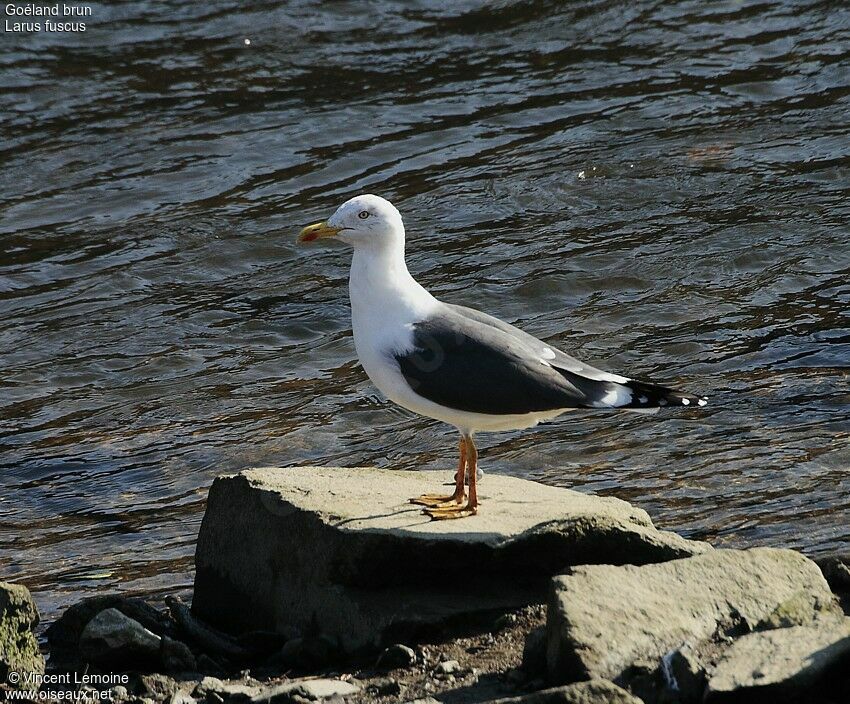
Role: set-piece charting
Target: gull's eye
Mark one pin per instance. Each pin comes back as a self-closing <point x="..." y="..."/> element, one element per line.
<point x="363" y="214"/>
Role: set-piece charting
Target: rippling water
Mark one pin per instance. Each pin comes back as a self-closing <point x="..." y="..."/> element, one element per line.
<point x="658" y="187"/>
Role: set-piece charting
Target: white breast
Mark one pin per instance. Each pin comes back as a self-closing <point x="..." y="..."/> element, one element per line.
<point x="385" y="304"/>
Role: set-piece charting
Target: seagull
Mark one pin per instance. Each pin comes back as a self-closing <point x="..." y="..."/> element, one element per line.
<point x="456" y="364"/>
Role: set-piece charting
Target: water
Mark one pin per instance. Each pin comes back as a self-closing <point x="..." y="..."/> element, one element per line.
<point x="660" y="188"/>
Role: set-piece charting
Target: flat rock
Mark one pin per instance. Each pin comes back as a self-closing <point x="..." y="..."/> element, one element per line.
<point x="229" y="691"/>
<point x="779" y="664"/>
<point x="589" y="692"/>
<point x="618" y="623"/>
<point x="343" y="550"/>
<point x="310" y="689"/>
<point x="18" y="645"/>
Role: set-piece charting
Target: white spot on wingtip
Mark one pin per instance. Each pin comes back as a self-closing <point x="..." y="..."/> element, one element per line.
<point x="643" y="399"/>
<point x="702" y="402"/>
<point x="686" y="402"/>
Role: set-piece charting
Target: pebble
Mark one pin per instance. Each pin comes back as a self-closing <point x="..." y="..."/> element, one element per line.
<point x="448" y="667"/>
<point x="397" y="655"/>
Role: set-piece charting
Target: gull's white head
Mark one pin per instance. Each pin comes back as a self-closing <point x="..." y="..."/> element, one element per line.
<point x="364" y="222"/>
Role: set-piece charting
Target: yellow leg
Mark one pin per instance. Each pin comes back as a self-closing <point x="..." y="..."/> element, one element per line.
<point x="440" y="500"/>
<point x="444" y="513"/>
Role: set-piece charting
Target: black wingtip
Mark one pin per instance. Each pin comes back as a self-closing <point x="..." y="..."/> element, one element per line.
<point x="646" y="395"/>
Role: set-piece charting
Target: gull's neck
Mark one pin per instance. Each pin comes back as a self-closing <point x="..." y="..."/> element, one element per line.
<point x="381" y="288"/>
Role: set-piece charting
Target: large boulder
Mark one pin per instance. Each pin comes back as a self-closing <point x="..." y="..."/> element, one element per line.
<point x="341" y="551"/>
<point x="19" y="651"/>
<point x="619" y="623"/>
<point x="784" y="664"/>
<point x="590" y="692"/>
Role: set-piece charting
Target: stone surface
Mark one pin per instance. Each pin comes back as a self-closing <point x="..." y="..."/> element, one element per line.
<point x="231" y="690"/>
<point x="312" y="690"/>
<point x="588" y="692"/>
<point x="779" y="664"/>
<point x="618" y="623"/>
<point x="239" y="692"/>
<point x="18" y="645"/>
<point x="341" y="549"/>
<point x="114" y="640"/>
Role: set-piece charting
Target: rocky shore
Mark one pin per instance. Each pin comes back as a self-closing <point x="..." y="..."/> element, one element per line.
<point x="323" y="584"/>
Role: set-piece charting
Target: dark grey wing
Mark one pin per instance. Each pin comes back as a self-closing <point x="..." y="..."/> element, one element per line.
<point x="535" y="367"/>
<point x="468" y="365"/>
<point x="552" y="355"/>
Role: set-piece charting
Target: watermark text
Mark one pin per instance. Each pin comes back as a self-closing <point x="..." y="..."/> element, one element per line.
<point x="57" y="18"/>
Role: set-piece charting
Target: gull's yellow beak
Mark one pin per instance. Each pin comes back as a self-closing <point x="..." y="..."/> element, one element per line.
<point x="314" y="232"/>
